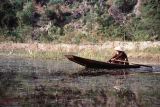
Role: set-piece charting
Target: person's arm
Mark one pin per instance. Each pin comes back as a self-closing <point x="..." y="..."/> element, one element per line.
<point x="126" y="61"/>
<point x="112" y="58"/>
<point x="118" y="55"/>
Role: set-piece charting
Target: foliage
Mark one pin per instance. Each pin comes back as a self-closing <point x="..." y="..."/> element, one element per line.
<point x="55" y="1"/>
<point x="151" y="18"/>
<point x="8" y="17"/>
<point x="20" y="17"/>
<point x="26" y="14"/>
<point x="125" y="5"/>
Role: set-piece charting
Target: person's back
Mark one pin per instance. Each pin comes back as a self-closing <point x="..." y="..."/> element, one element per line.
<point x="120" y="57"/>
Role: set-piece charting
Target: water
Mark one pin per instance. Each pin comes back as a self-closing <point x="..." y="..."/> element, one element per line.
<point x="49" y="83"/>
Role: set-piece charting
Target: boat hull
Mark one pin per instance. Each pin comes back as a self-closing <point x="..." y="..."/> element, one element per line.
<point x="88" y="63"/>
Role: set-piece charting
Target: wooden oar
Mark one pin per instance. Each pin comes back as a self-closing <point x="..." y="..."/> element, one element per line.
<point x="134" y="63"/>
<point x="142" y="65"/>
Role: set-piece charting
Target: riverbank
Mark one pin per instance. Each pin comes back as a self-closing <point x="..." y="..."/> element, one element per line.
<point x="135" y="50"/>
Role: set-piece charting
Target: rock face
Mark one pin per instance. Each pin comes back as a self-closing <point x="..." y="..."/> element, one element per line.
<point x="118" y="16"/>
<point x="79" y="21"/>
<point x="137" y="8"/>
<point x="119" y="9"/>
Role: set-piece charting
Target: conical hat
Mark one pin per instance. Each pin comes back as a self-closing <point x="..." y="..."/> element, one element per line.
<point x="118" y="48"/>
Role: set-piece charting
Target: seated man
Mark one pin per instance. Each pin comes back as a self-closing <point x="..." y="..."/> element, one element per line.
<point x="120" y="57"/>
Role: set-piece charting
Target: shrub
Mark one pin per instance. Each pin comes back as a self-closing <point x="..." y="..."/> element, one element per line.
<point x="26" y="14"/>
<point x="56" y="1"/>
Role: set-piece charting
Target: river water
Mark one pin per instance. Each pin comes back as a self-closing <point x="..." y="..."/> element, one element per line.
<point x="50" y="83"/>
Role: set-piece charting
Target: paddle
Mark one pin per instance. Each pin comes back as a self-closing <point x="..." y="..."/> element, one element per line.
<point x="134" y="63"/>
<point x="142" y="65"/>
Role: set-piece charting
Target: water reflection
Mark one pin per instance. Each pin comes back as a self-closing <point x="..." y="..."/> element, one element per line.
<point x="26" y="82"/>
<point x="99" y="72"/>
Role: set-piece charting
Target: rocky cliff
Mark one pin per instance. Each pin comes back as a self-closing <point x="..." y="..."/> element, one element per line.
<point x="80" y="21"/>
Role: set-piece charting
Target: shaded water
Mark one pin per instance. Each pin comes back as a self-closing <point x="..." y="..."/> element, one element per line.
<point x="48" y="83"/>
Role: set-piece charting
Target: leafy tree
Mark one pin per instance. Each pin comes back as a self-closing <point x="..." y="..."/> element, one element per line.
<point x="151" y="18"/>
<point x="125" y="6"/>
<point x="8" y="17"/>
<point x="59" y="1"/>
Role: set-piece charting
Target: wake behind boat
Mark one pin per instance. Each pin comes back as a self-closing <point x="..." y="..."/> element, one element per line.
<point x="89" y="63"/>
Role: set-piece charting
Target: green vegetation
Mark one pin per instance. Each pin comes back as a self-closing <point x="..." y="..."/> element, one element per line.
<point x="148" y="53"/>
<point x="77" y="21"/>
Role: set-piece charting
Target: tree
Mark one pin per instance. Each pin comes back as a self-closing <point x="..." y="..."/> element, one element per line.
<point x="151" y="18"/>
<point x="8" y="17"/>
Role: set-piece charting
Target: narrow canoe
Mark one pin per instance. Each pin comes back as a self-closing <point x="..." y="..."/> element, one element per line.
<point x="88" y="63"/>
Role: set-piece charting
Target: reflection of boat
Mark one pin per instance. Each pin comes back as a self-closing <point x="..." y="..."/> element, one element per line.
<point x="88" y="63"/>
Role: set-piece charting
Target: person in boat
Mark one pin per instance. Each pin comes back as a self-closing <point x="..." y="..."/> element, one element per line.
<point x="120" y="57"/>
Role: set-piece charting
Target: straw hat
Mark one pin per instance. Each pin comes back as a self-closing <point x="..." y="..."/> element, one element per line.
<point x="118" y="48"/>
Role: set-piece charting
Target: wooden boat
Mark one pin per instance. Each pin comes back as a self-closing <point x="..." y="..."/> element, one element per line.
<point x="88" y="63"/>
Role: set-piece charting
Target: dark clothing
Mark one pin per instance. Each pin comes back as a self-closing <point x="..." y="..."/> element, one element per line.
<point x="119" y="58"/>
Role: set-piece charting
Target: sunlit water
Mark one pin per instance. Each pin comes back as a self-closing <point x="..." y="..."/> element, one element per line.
<point x="49" y="83"/>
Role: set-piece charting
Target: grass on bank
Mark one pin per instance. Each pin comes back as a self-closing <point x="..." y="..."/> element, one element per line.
<point x="97" y="54"/>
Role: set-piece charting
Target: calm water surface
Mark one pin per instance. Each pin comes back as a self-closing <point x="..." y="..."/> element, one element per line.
<point x="49" y="83"/>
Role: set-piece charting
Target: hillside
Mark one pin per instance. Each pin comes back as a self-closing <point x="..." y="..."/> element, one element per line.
<point x="79" y="21"/>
